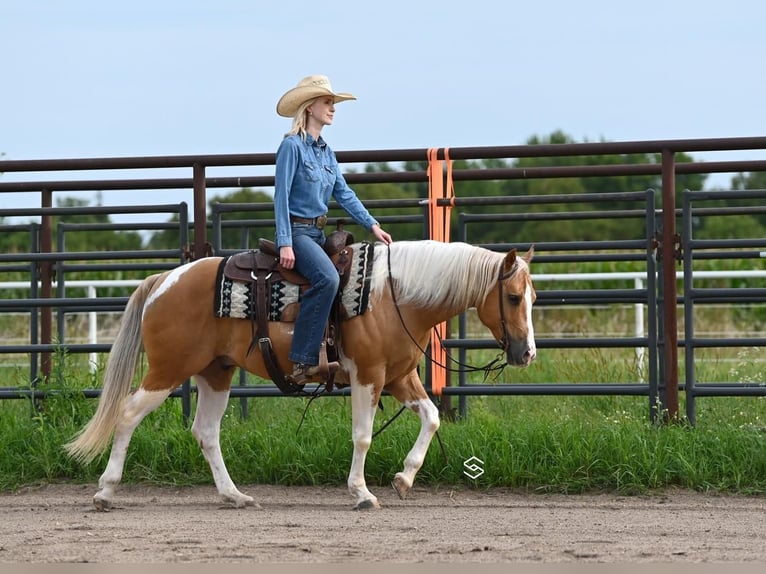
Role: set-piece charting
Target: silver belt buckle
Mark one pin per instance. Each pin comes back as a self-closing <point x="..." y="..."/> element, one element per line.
<point x="321" y="221"/>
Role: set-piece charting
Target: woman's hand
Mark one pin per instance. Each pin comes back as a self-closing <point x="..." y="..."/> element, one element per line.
<point x="381" y="235"/>
<point x="286" y="257"/>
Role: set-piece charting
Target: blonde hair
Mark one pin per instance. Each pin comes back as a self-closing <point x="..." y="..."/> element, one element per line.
<point x="300" y="119"/>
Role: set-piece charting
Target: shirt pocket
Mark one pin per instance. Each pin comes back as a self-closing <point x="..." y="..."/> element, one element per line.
<point x="328" y="172"/>
<point x="311" y="171"/>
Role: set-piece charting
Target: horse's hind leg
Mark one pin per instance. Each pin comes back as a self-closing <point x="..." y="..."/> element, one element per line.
<point x="410" y="392"/>
<point x="364" y="401"/>
<point x="212" y="398"/>
<point x="135" y="408"/>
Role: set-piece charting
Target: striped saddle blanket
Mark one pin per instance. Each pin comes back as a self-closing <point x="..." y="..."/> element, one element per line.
<point x="235" y="299"/>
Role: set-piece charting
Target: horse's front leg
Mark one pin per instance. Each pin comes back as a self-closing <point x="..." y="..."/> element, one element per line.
<point x="364" y="401"/>
<point x="410" y="392"/>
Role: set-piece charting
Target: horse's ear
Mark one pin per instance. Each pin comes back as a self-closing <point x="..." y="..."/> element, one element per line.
<point x="530" y="254"/>
<point x="510" y="260"/>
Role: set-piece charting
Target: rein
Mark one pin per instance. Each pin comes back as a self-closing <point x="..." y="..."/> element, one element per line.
<point x="497" y="364"/>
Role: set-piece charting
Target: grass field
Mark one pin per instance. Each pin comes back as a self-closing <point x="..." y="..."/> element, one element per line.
<point x="536" y="443"/>
<point x="561" y="444"/>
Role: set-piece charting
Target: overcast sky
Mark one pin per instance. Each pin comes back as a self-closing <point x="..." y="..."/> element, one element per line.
<point x="95" y="78"/>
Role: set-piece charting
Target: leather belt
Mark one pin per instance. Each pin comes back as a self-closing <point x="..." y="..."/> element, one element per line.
<point x="318" y="222"/>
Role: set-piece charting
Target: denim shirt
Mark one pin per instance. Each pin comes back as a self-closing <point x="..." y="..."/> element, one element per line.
<point x="307" y="175"/>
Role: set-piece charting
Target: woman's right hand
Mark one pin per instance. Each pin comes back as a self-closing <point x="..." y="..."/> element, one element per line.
<point x="286" y="257"/>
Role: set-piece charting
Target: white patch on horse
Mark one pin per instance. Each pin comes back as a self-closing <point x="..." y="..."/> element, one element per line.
<point x="363" y="408"/>
<point x="206" y="428"/>
<point x="169" y="281"/>
<point x="135" y="408"/>
<point x="531" y="329"/>
<point x="429" y="424"/>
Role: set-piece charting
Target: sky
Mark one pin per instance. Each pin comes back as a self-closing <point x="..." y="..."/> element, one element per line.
<point x="93" y="78"/>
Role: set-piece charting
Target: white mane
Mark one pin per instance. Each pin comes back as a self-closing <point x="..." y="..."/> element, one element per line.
<point x="436" y="274"/>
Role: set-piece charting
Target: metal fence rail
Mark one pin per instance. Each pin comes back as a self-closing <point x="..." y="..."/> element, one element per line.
<point x="656" y="249"/>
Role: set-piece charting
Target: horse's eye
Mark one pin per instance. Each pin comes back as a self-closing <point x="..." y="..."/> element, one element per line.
<point x="514" y="299"/>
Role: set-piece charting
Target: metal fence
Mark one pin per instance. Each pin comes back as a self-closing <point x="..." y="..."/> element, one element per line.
<point x="657" y="250"/>
<point x="749" y="248"/>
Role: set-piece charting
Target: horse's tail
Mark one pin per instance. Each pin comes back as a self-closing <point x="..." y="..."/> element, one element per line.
<point x="118" y="377"/>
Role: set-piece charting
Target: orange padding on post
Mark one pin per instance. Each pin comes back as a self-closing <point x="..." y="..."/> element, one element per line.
<point x="439" y="230"/>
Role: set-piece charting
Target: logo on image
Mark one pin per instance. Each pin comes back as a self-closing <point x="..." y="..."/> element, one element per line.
<point x="474" y="467"/>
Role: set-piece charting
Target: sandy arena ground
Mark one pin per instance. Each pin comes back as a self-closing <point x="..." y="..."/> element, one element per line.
<point x="58" y="524"/>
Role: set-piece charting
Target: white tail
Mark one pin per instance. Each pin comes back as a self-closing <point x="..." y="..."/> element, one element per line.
<point x="120" y="368"/>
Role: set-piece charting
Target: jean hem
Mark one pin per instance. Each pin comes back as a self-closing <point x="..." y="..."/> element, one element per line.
<point x="312" y="362"/>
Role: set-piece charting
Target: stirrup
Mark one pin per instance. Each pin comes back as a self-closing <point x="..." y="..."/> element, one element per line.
<point x="302" y="372"/>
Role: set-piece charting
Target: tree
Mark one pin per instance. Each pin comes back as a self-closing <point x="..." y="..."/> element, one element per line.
<point x="753" y="180"/>
<point x="390" y="192"/>
<point x="601" y="228"/>
<point x="93" y="239"/>
<point x="234" y="235"/>
<point x="14" y="240"/>
<point x="75" y="240"/>
<point x="735" y="226"/>
<point x="245" y="235"/>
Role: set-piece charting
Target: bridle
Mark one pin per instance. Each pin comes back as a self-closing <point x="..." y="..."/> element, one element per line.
<point x="496" y="364"/>
<point x="505" y="341"/>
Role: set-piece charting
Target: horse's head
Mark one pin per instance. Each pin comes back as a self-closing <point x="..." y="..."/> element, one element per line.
<point x="507" y="310"/>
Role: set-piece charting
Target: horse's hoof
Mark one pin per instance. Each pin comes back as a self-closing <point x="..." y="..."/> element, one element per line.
<point x="400" y="486"/>
<point x="102" y="504"/>
<point x="240" y="500"/>
<point x="251" y="503"/>
<point x="367" y="505"/>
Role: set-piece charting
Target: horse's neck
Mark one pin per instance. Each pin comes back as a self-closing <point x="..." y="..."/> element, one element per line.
<point x="442" y="278"/>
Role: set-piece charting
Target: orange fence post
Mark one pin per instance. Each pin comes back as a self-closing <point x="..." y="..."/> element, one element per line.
<point x="439" y="230"/>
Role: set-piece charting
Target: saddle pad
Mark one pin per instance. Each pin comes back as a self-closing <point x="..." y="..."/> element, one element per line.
<point x="234" y="298"/>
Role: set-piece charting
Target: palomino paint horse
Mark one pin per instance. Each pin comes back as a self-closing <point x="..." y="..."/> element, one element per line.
<point x="171" y="315"/>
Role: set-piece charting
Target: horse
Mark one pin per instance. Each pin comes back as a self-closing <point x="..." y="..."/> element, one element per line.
<point x="413" y="286"/>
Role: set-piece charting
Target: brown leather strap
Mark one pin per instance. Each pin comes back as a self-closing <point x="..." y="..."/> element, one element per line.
<point x="261" y="296"/>
<point x="276" y="374"/>
<point x="319" y="222"/>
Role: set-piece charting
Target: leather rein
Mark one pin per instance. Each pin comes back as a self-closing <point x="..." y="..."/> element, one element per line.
<point x="496" y="364"/>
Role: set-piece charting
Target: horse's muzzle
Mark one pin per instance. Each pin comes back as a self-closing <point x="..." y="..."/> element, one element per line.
<point x="521" y="353"/>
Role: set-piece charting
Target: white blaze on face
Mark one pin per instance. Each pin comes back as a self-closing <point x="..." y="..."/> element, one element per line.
<point x="530" y="327"/>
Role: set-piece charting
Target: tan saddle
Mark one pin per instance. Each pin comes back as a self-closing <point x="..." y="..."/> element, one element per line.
<point x="261" y="268"/>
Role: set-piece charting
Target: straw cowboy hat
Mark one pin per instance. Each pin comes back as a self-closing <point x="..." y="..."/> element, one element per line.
<point x="307" y="89"/>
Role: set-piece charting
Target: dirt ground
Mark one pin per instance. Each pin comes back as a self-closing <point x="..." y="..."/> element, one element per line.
<point x="58" y="524"/>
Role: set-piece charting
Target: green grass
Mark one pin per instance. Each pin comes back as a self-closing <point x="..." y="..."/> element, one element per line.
<point x="542" y="444"/>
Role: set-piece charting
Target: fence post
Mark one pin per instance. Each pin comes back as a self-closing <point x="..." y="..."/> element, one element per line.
<point x="689" y="379"/>
<point x="46" y="280"/>
<point x="670" y="298"/>
<point x="201" y="247"/>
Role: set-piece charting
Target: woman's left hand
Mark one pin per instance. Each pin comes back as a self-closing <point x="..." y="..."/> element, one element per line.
<point x="381" y="235"/>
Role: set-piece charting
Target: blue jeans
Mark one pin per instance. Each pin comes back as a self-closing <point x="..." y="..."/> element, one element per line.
<point x="312" y="262"/>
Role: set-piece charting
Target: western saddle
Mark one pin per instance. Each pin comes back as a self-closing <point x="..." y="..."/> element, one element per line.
<point x="260" y="267"/>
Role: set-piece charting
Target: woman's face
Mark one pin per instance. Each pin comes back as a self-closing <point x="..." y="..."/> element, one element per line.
<point x="322" y="110"/>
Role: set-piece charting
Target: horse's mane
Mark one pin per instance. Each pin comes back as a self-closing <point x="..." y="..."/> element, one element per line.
<point x="436" y="274"/>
